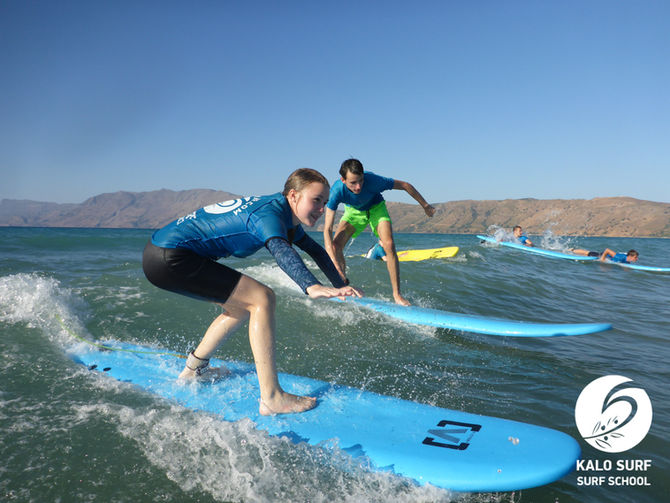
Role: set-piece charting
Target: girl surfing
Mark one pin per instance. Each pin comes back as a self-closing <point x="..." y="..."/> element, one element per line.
<point x="182" y="258"/>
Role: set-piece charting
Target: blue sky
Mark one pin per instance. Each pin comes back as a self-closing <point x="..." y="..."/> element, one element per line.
<point x="464" y="99"/>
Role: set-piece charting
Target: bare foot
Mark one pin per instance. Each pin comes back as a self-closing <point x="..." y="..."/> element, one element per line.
<point x="286" y="403"/>
<point x="399" y="299"/>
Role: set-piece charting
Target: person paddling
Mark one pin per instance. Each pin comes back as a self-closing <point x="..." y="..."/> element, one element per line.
<point x="521" y="237"/>
<point x="623" y="258"/>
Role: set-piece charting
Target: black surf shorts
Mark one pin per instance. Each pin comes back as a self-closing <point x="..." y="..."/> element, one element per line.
<point x="185" y="272"/>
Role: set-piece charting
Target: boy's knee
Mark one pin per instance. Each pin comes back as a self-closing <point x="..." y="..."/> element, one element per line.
<point x="388" y="245"/>
<point x="339" y="241"/>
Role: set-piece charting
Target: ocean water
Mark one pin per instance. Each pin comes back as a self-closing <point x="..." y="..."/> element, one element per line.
<point x="69" y="435"/>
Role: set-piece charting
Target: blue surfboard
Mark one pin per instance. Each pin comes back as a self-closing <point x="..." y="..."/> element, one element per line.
<point x="446" y="448"/>
<point x="477" y="324"/>
<point x="569" y="256"/>
<point x="537" y="251"/>
<point x="639" y="267"/>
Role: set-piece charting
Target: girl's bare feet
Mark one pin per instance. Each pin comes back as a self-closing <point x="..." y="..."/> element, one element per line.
<point x="286" y="403"/>
<point x="399" y="299"/>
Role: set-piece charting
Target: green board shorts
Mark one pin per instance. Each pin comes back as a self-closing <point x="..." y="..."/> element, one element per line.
<point x="360" y="219"/>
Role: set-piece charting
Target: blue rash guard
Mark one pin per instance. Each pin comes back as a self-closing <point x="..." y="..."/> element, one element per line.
<point x="373" y="186"/>
<point x="243" y="226"/>
<point x="522" y="239"/>
<point x="621" y="258"/>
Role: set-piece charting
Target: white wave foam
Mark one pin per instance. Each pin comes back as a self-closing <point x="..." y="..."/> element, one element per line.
<point x="40" y="302"/>
<point x="271" y="275"/>
<point x="550" y="241"/>
<point x="236" y="462"/>
<point x="346" y="314"/>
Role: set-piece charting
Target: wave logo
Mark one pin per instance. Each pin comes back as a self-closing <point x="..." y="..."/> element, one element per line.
<point x="611" y="416"/>
<point x="227" y="206"/>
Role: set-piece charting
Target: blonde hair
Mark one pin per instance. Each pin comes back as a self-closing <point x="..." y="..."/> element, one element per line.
<point x="301" y="178"/>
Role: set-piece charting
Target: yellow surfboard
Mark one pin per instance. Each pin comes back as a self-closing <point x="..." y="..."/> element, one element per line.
<point x="416" y="255"/>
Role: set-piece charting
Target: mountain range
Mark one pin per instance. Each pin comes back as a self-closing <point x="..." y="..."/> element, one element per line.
<point x="607" y="216"/>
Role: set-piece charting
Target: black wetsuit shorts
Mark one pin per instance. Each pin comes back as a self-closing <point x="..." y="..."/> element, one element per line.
<point x="185" y="272"/>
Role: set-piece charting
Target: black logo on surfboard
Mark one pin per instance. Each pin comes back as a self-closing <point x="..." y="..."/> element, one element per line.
<point x="457" y="435"/>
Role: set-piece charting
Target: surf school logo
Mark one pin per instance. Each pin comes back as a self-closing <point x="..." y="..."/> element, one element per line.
<point x="235" y="205"/>
<point x="611" y="416"/>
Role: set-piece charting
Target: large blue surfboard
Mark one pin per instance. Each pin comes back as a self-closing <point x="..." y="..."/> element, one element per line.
<point x="446" y="448"/>
<point x="477" y="324"/>
<point x="537" y="251"/>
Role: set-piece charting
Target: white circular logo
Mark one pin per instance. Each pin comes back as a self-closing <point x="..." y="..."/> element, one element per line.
<point x="223" y="207"/>
<point x="611" y="416"/>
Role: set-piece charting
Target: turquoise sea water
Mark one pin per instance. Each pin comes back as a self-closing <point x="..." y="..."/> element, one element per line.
<point x="70" y="435"/>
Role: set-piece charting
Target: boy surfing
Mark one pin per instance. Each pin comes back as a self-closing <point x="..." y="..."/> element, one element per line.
<point x="360" y="191"/>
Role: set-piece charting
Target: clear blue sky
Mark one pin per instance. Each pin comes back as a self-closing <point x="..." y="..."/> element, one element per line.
<point x="465" y="99"/>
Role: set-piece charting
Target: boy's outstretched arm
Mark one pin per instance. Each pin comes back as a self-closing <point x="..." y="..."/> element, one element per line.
<point x="409" y="188"/>
<point x="335" y="255"/>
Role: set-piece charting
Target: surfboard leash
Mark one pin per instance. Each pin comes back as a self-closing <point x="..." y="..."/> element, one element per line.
<point x="111" y="348"/>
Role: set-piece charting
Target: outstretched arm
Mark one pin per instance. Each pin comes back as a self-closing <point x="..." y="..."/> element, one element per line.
<point x="607" y="254"/>
<point x="335" y="255"/>
<point x="328" y="220"/>
<point x="409" y="188"/>
<point x="322" y="259"/>
<point x="291" y="263"/>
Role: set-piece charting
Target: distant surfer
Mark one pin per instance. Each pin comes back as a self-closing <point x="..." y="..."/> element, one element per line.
<point x="622" y="258"/>
<point x="360" y="191"/>
<point x="521" y="237"/>
<point x="376" y="252"/>
<point x="182" y="258"/>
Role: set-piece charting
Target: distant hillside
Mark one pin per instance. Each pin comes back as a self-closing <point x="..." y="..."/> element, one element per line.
<point x="613" y="216"/>
<point x="610" y="216"/>
<point x="146" y="210"/>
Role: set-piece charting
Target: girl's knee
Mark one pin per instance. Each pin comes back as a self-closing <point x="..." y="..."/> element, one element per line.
<point x="266" y="298"/>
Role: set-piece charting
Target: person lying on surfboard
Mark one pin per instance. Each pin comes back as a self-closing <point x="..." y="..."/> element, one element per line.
<point x="360" y="191"/>
<point x="521" y="237"/>
<point x="622" y="258"/>
<point x="182" y="258"/>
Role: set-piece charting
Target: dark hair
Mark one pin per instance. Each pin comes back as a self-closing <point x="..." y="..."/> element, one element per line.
<point x="516" y="227"/>
<point x="632" y="253"/>
<point x="353" y="166"/>
<point x="301" y="178"/>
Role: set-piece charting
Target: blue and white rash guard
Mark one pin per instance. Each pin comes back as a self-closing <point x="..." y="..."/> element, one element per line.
<point x="243" y="226"/>
<point x="238" y="227"/>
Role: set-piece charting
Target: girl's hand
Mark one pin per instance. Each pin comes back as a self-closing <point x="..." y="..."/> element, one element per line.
<point x="327" y="292"/>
